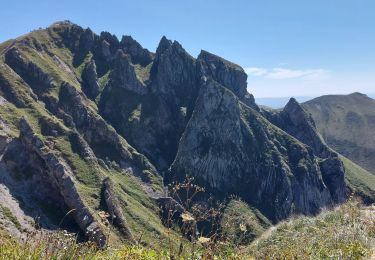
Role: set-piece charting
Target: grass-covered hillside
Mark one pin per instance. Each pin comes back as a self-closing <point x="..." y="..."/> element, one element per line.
<point x="347" y="232"/>
<point x="359" y="180"/>
<point x="346" y="122"/>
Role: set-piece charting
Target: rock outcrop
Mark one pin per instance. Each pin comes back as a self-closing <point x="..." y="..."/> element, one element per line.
<point x="60" y="174"/>
<point x="99" y="134"/>
<point x="138" y="54"/>
<point x="90" y="83"/>
<point x="228" y="74"/>
<point x="115" y="209"/>
<point x="29" y="71"/>
<point x="294" y="120"/>
<point x="87" y="41"/>
<point x="124" y="76"/>
<point x="232" y="149"/>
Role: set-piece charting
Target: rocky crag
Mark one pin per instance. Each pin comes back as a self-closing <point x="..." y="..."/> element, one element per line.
<point x="106" y="125"/>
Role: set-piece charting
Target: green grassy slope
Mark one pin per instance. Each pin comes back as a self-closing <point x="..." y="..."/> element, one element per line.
<point x="344" y="233"/>
<point x="359" y="180"/>
<point x="346" y="122"/>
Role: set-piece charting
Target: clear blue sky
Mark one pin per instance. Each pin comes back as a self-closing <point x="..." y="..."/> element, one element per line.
<point x="288" y="47"/>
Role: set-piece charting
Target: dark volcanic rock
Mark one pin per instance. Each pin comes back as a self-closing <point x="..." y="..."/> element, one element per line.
<point x="124" y="76"/>
<point x="233" y="150"/>
<point x="294" y="120"/>
<point x="105" y="49"/>
<point x="184" y="115"/>
<point x="153" y="117"/>
<point x="224" y="72"/>
<point x="333" y="174"/>
<point x="99" y="134"/>
<point x="138" y="54"/>
<point x="90" y="80"/>
<point x="228" y="74"/>
<point x="87" y="41"/>
<point x="60" y="174"/>
<point x="174" y="71"/>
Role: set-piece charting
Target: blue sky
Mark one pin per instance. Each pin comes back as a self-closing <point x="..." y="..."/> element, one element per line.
<point x="288" y="47"/>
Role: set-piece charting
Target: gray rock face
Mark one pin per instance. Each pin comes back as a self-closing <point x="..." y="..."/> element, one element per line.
<point x="230" y="148"/>
<point x="224" y="72"/>
<point x="109" y="44"/>
<point x="87" y="41"/>
<point x="99" y="134"/>
<point x="124" y="76"/>
<point x="334" y="176"/>
<point x="294" y="120"/>
<point x="61" y="176"/>
<point x="90" y="80"/>
<point x="106" y="51"/>
<point x="138" y="54"/>
<point x="228" y="74"/>
<point x="174" y="70"/>
<point x="164" y="44"/>
<point x="29" y="71"/>
<point x="155" y="117"/>
<point x="226" y="145"/>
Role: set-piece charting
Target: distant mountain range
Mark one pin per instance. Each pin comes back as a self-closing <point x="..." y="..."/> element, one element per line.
<point x="280" y="102"/>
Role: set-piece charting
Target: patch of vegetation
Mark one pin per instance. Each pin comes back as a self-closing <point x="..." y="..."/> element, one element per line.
<point x="9" y="215"/>
<point x="140" y="211"/>
<point x="13" y="88"/>
<point x="142" y="73"/>
<point x="102" y="81"/>
<point x="136" y="114"/>
<point x="359" y="180"/>
<point x="63" y="246"/>
<point x="241" y="224"/>
<point x="82" y="66"/>
<point x="345" y="233"/>
<point x="85" y="171"/>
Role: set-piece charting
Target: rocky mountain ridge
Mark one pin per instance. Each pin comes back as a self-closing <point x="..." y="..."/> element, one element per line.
<point x="121" y="122"/>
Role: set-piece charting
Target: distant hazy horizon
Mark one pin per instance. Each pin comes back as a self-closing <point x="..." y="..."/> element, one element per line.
<point x="280" y="102"/>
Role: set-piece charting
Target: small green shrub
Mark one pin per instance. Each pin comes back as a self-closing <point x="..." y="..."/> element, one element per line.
<point x="9" y="215"/>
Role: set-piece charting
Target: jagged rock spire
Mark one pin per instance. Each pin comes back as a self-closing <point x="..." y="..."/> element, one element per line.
<point x="138" y="54"/>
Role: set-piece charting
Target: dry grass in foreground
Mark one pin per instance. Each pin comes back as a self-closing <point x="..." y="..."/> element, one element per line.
<point x="347" y="232"/>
